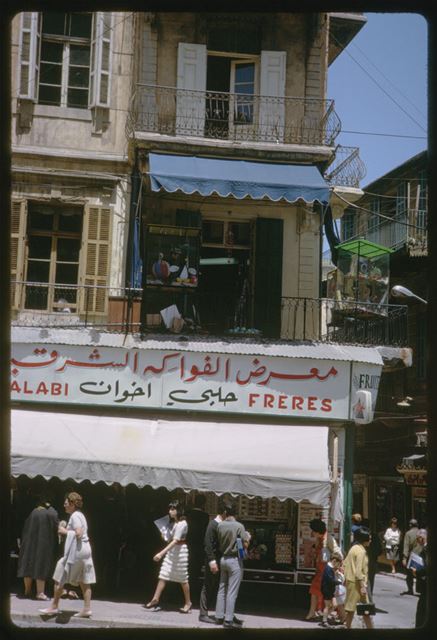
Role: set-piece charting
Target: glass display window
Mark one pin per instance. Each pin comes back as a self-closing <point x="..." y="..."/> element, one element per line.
<point x="172" y="256"/>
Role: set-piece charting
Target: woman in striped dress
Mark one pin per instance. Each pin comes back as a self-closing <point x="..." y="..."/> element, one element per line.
<point x="175" y="554"/>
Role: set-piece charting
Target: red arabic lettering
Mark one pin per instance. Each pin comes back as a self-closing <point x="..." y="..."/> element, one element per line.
<point x="207" y="369"/>
<point x="45" y="363"/>
<point x="99" y="365"/>
<point x="150" y="367"/>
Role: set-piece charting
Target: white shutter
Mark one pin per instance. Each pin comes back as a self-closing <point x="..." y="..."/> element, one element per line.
<point x="191" y="88"/>
<point x="272" y="91"/>
<point x="101" y="54"/>
<point x="28" y="56"/>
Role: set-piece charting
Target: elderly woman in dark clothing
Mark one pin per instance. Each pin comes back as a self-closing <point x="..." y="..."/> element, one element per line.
<point x="38" y="548"/>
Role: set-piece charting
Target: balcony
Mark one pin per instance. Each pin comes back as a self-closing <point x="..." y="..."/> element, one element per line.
<point x="310" y="319"/>
<point x="234" y="117"/>
<point x="407" y="229"/>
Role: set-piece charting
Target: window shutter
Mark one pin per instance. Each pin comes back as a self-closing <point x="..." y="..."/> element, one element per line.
<point x="272" y="92"/>
<point x="268" y="276"/>
<point x="191" y="93"/>
<point x="95" y="260"/>
<point x="101" y="54"/>
<point x="18" y="236"/>
<point x="28" y="56"/>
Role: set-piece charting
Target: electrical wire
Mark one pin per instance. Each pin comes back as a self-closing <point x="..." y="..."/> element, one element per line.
<point x="378" y="85"/>
<point x="380" y="215"/>
<point x="387" y="79"/>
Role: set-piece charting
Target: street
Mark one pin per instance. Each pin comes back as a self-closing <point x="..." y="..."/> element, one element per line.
<point x="393" y="611"/>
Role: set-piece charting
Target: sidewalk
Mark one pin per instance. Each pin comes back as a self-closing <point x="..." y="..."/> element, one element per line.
<point x="393" y="611"/>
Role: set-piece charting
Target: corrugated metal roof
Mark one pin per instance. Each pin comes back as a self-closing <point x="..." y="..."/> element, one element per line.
<point x="248" y="346"/>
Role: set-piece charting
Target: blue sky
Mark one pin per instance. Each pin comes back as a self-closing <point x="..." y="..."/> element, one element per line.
<point x="392" y="49"/>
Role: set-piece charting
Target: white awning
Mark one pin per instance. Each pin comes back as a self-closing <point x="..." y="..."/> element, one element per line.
<point x="268" y="460"/>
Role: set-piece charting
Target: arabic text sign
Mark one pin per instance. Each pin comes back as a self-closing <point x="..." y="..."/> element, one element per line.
<point x="181" y="380"/>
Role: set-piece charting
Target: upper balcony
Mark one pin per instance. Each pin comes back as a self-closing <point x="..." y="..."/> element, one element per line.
<point x="235" y="117"/>
<point x="205" y="314"/>
<point x="408" y="229"/>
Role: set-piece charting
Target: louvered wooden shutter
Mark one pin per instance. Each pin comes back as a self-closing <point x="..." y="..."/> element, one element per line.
<point x="18" y="235"/>
<point x="95" y="260"/>
<point x="100" y="72"/>
<point x="28" y="56"/>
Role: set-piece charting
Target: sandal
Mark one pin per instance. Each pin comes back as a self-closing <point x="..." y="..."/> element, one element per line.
<point x="186" y="608"/>
<point x="152" y="604"/>
<point x="42" y="596"/>
<point x="83" y="614"/>
<point x="49" y="612"/>
<point x="72" y="595"/>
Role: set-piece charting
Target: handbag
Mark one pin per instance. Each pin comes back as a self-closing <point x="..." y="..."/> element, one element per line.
<point x="366" y="608"/>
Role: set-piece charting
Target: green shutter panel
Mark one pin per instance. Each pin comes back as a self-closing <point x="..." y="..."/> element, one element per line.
<point x="268" y="276"/>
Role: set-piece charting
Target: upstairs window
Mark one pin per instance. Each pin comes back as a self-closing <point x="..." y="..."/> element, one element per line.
<point x="401" y="199"/>
<point x="65" y="59"/>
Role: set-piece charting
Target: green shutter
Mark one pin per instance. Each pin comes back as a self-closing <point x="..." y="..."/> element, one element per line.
<point x="268" y="276"/>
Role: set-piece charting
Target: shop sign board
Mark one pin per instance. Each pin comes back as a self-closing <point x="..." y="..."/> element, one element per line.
<point x="186" y="380"/>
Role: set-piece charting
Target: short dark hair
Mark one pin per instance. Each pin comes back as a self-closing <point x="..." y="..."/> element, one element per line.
<point x="230" y="508"/>
<point x="362" y="534"/>
<point x="175" y="504"/>
<point x="413" y="523"/>
<point x="200" y="501"/>
<point x="317" y="525"/>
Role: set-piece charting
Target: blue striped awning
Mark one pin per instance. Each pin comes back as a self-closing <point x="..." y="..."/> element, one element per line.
<point x="237" y="178"/>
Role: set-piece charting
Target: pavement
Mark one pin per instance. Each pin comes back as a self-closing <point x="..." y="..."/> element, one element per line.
<point x="393" y="611"/>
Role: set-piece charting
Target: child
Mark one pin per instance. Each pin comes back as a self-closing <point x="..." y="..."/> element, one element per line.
<point x="330" y="581"/>
<point x="340" y="593"/>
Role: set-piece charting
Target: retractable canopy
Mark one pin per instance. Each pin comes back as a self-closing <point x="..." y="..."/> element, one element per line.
<point x="267" y="460"/>
<point x="237" y="178"/>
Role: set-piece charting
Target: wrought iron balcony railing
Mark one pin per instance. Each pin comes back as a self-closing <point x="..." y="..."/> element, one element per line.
<point x="312" y="319"/>
<point x="328" y="320"/>
<point x="233" y="116"/>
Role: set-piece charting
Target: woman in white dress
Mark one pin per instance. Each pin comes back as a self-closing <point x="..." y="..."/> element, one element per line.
<point x="76" y="566"/>
<point x="392" y="540"/>
<point x="175" y="554"/>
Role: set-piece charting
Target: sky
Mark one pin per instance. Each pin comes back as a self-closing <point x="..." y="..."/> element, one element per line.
<point x="390" y="50"/>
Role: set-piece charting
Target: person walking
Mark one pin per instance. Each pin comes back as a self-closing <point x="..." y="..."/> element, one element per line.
<point x="208" y="594"/>
<point x="421" y="575"/>
<point x="38" y="548"/>
<point x="357" y="521"/>
<point x="175" y="565"/>
<point x="356" y="577"/>
<point x="330" y="581"/>
<point x="324" y="547"/>
<point x="197" y="520"/>
<point x="411" y="544"/>
<point x="76" y="566"/>
<point x="232" y="538"/>
<point x="392" y="540"/>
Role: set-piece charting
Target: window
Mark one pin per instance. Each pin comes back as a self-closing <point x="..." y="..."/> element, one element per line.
<point x="348" y="224"/>
<point x="373" y="219"/>
<point x="53" y="246"/>
<point x="423" y="201"/>
<point x="65" y="59"/>
<point x="401" y="199"/>
<point x="231" y="86"/>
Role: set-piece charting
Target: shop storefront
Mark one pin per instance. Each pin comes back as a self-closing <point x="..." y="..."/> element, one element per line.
<point x="267" y="424"/>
